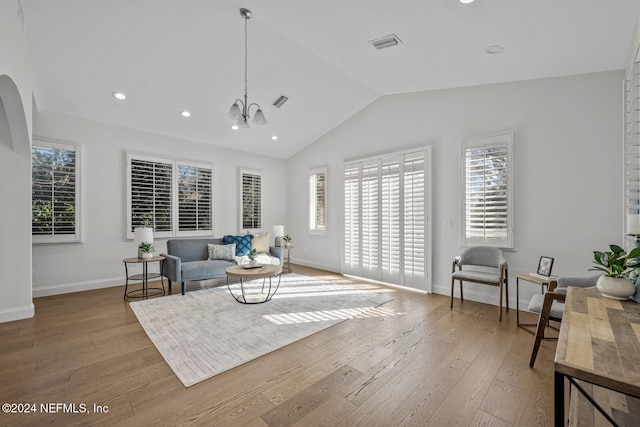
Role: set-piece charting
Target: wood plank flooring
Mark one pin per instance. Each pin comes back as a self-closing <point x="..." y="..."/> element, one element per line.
<point x="411" y="362"/>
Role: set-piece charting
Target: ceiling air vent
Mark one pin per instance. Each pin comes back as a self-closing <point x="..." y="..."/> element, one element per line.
<point x="386" y="41"/>
<point x="279" y="102"/>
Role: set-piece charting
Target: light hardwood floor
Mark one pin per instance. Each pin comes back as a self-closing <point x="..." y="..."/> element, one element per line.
<point x="412" y="362"/>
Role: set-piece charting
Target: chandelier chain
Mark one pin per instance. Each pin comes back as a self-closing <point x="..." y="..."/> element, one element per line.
<point x="245" y="59"/>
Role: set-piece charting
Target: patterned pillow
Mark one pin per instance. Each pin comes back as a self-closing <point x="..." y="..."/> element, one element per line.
<point x="222" y="251"/>
<point x="243" y="243"/>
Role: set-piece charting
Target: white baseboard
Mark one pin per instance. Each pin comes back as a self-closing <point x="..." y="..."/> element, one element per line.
<point x="17" y="313"/>
<point x="312" y="264"/>
<point x="66" y="288"/>
<point x="483" y="297"/>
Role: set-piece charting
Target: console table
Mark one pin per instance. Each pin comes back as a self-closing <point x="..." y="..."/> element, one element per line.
<point x="599" y="344"/>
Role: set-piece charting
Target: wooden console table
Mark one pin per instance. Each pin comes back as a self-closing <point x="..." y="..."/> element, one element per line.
<point x="599" y="343"/>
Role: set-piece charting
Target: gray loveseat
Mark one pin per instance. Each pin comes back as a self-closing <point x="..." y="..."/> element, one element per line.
<point x="187" y="259"/>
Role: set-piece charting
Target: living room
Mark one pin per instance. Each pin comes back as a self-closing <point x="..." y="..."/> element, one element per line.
<point x="568" y="163"/>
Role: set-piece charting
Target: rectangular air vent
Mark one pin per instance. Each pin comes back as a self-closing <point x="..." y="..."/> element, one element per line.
<point x="386" y="41"/>
<point x="279" y="102"/>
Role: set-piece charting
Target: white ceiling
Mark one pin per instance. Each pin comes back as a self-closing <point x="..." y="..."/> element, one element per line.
<point x="172" y="55"/>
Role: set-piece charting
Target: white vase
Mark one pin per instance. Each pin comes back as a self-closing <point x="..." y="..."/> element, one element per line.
<point x="147" y="255"/>
<point x="619" y="288"/>
<point x="253" y="263"/>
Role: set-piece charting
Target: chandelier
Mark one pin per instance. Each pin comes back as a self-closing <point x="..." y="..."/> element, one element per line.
<point x="241" y="116"/>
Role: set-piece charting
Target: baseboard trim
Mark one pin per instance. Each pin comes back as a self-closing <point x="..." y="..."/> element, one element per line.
<point x="17" y="313"/>
<point x="67" y="288"/>
<point x="312" y="264"/>
<point x="473" y="295"/>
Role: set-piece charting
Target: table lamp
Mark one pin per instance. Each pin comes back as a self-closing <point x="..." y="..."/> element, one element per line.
<point x="142" y="235"/>
<point x="278" y="232"/>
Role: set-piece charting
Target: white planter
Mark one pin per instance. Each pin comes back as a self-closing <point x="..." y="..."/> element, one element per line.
<point x="253" y="263"/>
<point x="147" y="255"/>
<point x="619" y="288"/>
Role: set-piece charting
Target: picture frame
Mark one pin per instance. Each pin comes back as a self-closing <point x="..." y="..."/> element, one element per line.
<point x="545" y="265"/>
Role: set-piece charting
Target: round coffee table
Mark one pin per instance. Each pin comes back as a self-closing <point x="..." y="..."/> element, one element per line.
<point x="250" y="273"/>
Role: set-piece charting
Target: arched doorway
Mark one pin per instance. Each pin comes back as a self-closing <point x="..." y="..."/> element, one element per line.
<point x="15" y="191"/>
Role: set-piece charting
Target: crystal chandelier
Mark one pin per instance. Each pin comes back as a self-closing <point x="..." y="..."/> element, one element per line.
<point x="241" y="116"/>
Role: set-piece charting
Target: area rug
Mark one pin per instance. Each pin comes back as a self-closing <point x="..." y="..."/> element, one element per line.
<point x="206" y="332"/>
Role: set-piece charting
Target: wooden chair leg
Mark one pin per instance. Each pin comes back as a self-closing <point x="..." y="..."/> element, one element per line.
<point x="506" y="286"/>
<point x="500" y="306"/>
<point x="452" y="285"/>
<point x="461" y="295"/>
<point x="542" y="323"/>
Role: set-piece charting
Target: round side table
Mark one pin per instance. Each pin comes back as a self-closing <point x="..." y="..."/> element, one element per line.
<point x="264" y="272"/>
<point x="144" y="277"/>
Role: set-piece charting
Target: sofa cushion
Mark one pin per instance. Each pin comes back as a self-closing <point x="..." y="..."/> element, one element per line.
<point x="191" y="249"/>
<point x="222" y="251"/>
<point x="243" y="243"/>
<point x="200" y="270"/>
<point x="260" y="242"/>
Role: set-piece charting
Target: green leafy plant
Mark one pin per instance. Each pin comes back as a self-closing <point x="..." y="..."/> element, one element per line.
<point x="252" y="254"/>
<point x="287" y="238"/>
<point x="145" y="247"/>
<point x="617" y="263"/>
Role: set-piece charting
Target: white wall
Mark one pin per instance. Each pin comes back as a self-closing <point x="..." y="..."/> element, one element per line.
<point x="568" y="169"/>
<point x="15" y="166"/>
<point x="97" y="262"/>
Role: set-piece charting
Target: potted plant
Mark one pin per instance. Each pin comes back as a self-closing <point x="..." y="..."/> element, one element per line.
<point x="287" y="241"/>
<point x="616" y="266"/>
<point x="252" y="258"/>
<point x="145" y="249"/>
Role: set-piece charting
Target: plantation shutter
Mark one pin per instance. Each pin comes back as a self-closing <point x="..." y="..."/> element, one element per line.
<point x="391" y="229"/>
<point x="414" y="176"/>
<point x="370" y="221"/>
<point x="194" y="198"/>
<point x="386" y="219"/>
<point x="632" y="148"/>
<point x="318" y="202"/>
<point x="351" y="260"/>
<point x="55" y="193"/>
<point x="151" y="195"/>
<point x="488" y="191"/>
<point x="251" y="199"/>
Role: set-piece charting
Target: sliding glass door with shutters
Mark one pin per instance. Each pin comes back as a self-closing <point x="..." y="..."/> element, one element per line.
<point x="386" y="218"/>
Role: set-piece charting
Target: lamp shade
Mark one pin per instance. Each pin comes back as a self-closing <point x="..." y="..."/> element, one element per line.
<point x="633" y="224"/>
<point x="143" y="235"/>
<point x="278" y="232"/>
<point x="234" y="112"/>
<point x="259" y="118"/>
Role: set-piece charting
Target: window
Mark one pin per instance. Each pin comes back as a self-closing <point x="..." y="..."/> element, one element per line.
<point x="55" y="197"/>
<point x="488" y="191"/>
<point x="251" y="199"/>
<point x="173" y="197"/>
<point x="318" y="201"/>
<point x="386" y="218"/>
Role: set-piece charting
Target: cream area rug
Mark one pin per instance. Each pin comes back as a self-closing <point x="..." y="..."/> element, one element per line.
<point x="206" y="332"/>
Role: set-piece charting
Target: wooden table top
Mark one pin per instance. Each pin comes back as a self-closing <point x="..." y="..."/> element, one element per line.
<point x="536" y="279"/>
<point x="600" y="341"/>
<point x="139" y="260"/>
<point x="254" y="273"/>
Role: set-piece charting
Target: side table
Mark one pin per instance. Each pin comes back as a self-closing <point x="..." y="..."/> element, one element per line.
<point x="144" y="277"/>
<point x="287" y="259"/>
<point x="546" y="281"/>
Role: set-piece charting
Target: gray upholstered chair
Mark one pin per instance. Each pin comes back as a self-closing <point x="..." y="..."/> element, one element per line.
<point x="481" y="256"/>
<point x="551" y="305"/>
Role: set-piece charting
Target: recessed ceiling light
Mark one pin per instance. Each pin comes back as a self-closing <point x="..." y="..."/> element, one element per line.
<point x="493" y="50"/>
<point x="185" y="113"/>
<point x="119" y="96"/>
<point x="466" y="1"/>
<point x="235" y="126"/>
<point x="274" y="137"/>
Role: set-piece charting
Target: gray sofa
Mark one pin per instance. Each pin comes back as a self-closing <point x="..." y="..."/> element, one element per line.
<point x="187" y="259"/>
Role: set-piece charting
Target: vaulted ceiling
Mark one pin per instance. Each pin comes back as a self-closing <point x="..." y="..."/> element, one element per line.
<point x="174" y="55"/>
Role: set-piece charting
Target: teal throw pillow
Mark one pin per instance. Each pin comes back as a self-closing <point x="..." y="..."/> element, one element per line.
<point x="243" y="243"/>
